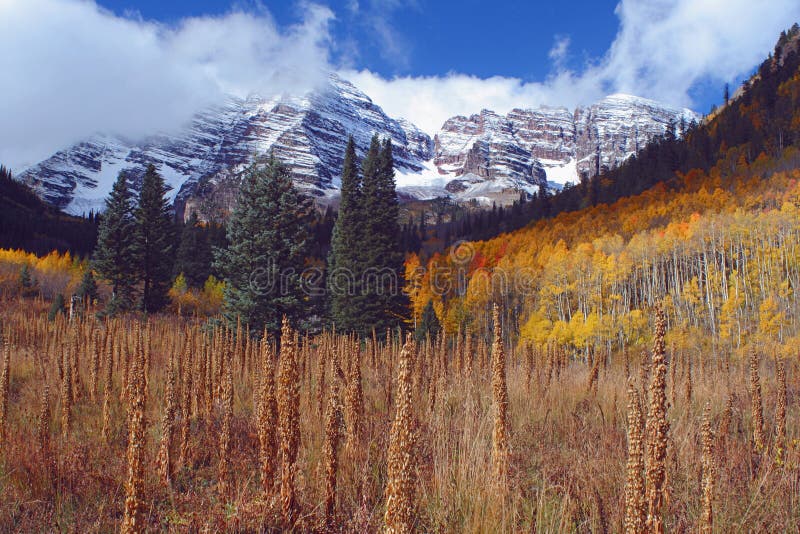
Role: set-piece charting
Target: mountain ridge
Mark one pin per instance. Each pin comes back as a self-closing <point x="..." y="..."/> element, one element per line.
<point x="501" y="155"/>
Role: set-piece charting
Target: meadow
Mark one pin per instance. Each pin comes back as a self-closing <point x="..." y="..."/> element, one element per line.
<point x="181" y="425"/>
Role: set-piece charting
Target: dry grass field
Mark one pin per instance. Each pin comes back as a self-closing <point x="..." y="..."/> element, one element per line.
<point x="171" y="425"/>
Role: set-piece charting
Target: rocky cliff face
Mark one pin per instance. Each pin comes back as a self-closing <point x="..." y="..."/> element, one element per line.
<point x="528" y="148"/>
<point x="612" y="130"/>
<point x="486" y="157"/>
<point x="202" y="162"/>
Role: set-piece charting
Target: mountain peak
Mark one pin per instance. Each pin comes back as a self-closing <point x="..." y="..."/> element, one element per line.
<point x="308" y="132"/>
<point x="487" y="156"/>
<point x="528" y="149"/>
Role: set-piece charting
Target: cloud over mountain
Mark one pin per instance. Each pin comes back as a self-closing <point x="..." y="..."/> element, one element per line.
<point x="662" y="49"/>
<point x="77" y="69"/>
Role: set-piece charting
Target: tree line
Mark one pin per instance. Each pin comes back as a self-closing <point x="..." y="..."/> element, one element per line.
<point x="273" y="252"/>
<point x="28" y="223"/>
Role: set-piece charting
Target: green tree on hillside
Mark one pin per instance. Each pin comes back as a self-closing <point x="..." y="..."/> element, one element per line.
<point x="268" y="240"/>
<point x="87" y="291"/>
<point x="193" y="257"/>
<point x="366" y="261"/>
<point x="155" y="233"/>
<point x="428" y="324"/>
<point x="116" y="255"/>
<point x="345" y="263"/>
<point x="383" y="280"/>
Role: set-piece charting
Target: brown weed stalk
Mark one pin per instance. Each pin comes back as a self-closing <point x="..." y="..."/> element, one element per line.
<point x="288" y="420"/>
<point x="500" y="447"/>
<point x="756" y="406"/>
<point x="401" y="462"/>
<point x="635" y="511"/>
<point x="657" y="428"/>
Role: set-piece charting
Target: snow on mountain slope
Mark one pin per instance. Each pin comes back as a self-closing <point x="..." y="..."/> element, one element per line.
<point x="485" y="157"/>
<point x="546" y="147"/>
<point x="612" y="130"/>
<point x="307" y="132"/>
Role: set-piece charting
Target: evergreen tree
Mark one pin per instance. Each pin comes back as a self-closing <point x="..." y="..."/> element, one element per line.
<point x="268" y="235"/>
<point x="116" y="254"/>
<point x="387" y="255"/>
<point x="428" y="323"/>
<point x="193" y="257"/>
<point x="366" y="261"/>
<point x="345" y="265"/>
<point x="25" y="280"/>
<point x="155" y="231"/>
<point x="87" y="291"/>
<point x="373" y="243"/>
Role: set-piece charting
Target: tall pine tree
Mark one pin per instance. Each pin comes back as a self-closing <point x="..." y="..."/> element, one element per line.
<point x="268" y="240"/>
<point x="383" y="265"/>
<point x="366" y="262"/>
<point x="115" y="256"/>
<point x="344" y="261"/>
<point x="155" y="232"/>
<point x="428" y="324"/>
<point x="393" y="259"/>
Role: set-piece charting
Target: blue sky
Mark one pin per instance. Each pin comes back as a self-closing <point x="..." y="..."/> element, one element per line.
<point x="437" y="37"/>
<point x="132" y="67"/>
<point x="432" y="37"/>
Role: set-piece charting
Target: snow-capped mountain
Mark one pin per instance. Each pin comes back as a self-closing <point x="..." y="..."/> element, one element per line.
<point x="488" y="156"/>
<point x="308" y="132"/>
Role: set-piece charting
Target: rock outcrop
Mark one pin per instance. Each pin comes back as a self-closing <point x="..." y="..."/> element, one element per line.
<point x="532" y="148"/>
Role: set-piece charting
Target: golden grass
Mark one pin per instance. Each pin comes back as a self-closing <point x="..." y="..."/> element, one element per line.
<point x="568" y="448"/>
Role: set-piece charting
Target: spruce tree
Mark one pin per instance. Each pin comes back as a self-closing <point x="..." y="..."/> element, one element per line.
<point x="428" y="323"/>
<point x="58" y="306"/>
<point x="155" y="231"/>
<point x="193" y="257"/>
<point x="366" y="261"/>
<point x="115" y="257"/>
<point x="25" y="280"/>
<point x="393" y="258"/>
<point x="268" y="236"/>
<point x="383" y="280"/>
<point x="87" y="291"/>
<point x="344" y="261"/>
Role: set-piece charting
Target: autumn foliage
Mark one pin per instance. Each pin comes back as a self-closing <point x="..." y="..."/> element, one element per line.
<point x="719" y="251"/>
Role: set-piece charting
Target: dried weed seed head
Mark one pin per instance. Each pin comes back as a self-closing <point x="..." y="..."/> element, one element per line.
<point x="401" y="466"/>
<point x="500" y="446"/>
<point x="657" y="431"/>
<point x="635" y="512"/>
<point x="288" y="419"/>
<point x="780" y="409"/>
<point x="707" y="520"/>
<point x="756" y="406"/>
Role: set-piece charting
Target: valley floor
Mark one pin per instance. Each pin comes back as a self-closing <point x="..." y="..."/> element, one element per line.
<point x="208" y="443"/>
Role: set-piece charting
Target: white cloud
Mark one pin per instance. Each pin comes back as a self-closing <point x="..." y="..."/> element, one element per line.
<point x="429" y="101"/>
<point x="373" y="18"/>
<point x="558" y="53"/>
<point x="71" y="68"/>
<point x="663" y="48"/>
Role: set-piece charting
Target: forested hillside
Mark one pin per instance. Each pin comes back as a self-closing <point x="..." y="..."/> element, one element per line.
<point x="713" y="231"/>
<point x="761" y="118"/>
<point x="624" y="360"/>
<point x="28" y="223"/>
